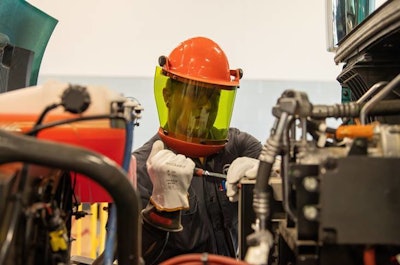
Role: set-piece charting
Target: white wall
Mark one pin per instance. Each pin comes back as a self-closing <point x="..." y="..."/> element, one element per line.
<point x="279" y="45"/>
<point x="279" y="40"/>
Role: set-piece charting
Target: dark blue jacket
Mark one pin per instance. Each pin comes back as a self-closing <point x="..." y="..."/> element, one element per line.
<point x="210" y="225"/>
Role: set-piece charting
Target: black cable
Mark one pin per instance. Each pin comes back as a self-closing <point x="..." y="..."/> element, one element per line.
<point x="15" y="213"/>
<point x="313" y="129"/>
<point x="73" y="191"/>
<point x="46" y="110"/>
<point x="37" y="129"/>
<point x="162" y="248"/>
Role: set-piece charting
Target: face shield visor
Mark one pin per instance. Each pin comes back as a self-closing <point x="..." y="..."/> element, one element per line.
<point x="193" y="111"/>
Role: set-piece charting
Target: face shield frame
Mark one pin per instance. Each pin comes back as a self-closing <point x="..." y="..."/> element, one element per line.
<point x="193" y="111"/>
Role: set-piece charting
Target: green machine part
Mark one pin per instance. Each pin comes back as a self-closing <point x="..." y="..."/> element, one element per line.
<point x="27" y="27"/>
<point x="346" y="94"/>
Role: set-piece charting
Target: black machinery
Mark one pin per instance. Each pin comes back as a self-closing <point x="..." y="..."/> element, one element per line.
<point x="340" y="200"/>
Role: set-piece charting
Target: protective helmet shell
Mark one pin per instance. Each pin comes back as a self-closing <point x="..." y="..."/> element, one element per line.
<point x="201" y="59"/>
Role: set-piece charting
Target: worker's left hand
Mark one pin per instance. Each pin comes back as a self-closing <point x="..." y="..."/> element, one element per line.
<point x="245" y="167"/>
<point x="240" y="167"/>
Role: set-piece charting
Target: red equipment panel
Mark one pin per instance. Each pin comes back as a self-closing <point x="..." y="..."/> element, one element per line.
<point x="95" y="135"/>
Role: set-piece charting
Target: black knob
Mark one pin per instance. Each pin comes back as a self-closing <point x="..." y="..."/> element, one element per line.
<point x="75" y="99"/>
<point x="162" y="60"/>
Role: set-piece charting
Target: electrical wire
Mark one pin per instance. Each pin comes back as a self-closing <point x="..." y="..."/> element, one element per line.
<point x="162" y="248"/>
<point x="36" y="129"/>
<point x="46" y="110"/>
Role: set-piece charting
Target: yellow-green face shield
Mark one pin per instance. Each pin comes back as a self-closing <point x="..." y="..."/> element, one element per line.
<point x="193" y="111"/>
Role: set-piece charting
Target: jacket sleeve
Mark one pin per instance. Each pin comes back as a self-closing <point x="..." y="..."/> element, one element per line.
<point x="245" y="144"/>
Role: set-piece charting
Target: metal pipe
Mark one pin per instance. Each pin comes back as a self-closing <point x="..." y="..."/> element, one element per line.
<point x="378" y="97"/>
<point x="371" y="91"/>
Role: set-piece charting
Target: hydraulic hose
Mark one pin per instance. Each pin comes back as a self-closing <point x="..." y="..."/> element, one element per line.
<point x="353" y="109"/>
<point x="101" y="169"/>
<point x="110" y="241"/>
<point x="110" y="247"/>
<point x="269" y="152"/>
<point x="201" y="259"/>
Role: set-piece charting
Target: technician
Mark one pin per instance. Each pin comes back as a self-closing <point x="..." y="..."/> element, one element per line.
<point x="195" y="92"/>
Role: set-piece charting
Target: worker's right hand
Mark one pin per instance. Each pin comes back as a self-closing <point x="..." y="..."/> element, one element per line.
<point x="171" y="175"/>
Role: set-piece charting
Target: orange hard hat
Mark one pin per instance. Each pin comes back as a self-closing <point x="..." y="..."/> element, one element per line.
<point x="200" y="59"/>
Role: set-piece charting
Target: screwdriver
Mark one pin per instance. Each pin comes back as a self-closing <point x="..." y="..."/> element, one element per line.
<point x="199" y="172"/>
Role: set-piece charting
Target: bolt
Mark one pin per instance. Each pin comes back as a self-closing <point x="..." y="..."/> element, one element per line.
<point x="310" y="184"/>
<point x="310" y="212"/>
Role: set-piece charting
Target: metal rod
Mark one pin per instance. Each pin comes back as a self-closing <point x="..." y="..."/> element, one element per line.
<point x="199" y="172"/>
<point x="378" y="97"/>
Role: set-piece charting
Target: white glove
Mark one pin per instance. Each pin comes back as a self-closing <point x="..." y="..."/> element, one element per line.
<point x="240" y="167"/>
<point x="244" y="167"/>
<point x="171" y="175"/>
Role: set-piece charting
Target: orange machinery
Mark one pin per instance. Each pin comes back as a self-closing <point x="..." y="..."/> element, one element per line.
<point x="20" y="110"/>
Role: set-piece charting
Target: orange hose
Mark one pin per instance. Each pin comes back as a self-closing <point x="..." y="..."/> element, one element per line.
<point x="354" y="131"/>
<point x="202" y="258"/>
<point x="369" y="256"/>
